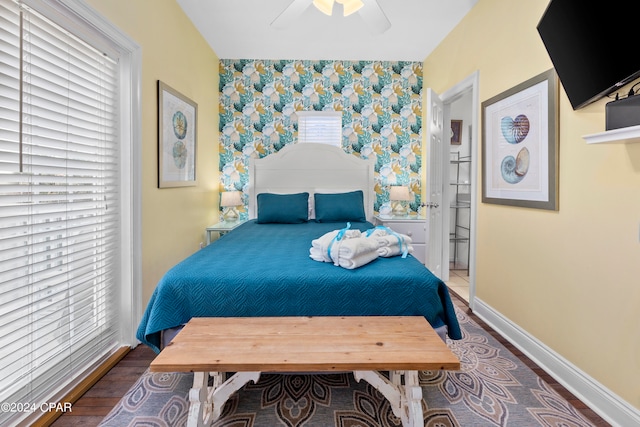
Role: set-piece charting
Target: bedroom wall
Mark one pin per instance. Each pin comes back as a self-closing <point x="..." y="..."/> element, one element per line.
<point x="382" y="115"/>
<point x="569" y="278"/>
<point x="173" y="51"/>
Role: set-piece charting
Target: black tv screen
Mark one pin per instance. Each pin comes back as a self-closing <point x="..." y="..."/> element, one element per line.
<point x="592" y="45"/>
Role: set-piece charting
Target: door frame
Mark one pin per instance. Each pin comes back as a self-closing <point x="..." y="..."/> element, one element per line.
<point x="472" y="83"/>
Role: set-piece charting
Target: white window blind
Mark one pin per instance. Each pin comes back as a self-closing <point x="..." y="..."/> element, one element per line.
<point x="59" y="223"/>
<point x="324" y="127"/>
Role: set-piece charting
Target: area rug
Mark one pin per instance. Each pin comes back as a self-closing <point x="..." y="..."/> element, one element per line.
<point x="493" y="388"/>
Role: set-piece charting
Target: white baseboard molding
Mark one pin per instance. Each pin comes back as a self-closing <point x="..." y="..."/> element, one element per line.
<point x="605" y="403"/>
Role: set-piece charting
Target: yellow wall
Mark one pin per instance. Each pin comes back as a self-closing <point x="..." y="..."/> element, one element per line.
<point x="570" y="278"/>
<point x="173" y="51"/>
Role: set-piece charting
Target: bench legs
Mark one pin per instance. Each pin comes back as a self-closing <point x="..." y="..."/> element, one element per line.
<point x="401" y="389"/>
<point x="206" y="403"/>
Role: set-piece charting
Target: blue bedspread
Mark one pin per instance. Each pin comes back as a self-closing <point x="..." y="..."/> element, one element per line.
<point x="265" y="270"/>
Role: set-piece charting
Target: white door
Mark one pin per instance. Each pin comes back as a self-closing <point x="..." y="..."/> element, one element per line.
<point x="435" y="174"/>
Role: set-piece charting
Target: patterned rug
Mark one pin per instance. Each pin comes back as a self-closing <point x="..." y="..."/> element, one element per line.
<point x="493" y="388"/>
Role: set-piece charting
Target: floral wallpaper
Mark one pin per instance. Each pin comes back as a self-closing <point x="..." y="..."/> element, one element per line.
<point x="381" y="106"/>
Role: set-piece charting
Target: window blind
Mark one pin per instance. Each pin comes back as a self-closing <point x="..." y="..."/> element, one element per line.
<point x="59" y="222"/>
<point x="324" y="127"/>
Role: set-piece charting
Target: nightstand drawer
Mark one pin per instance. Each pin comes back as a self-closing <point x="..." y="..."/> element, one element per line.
<point x="414" y="229"/>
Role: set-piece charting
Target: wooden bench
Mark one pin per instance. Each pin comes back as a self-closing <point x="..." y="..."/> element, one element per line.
<point x="248" y="346"/>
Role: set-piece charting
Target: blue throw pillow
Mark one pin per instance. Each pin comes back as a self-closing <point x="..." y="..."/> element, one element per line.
<point x="283" y="208"/>
<point x="340" y="207"/>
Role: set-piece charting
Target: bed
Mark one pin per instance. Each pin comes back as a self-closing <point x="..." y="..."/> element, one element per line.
<point x="263" y="267"/>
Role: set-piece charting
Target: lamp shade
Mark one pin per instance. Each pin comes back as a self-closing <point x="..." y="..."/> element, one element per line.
<point x="230" y="198"/>
<point x="399" y="192"/>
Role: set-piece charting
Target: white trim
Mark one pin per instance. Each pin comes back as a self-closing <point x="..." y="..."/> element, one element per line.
<point x="131" y="258"/>
<point x="130" y="62"/>
<point x="603" y="401"/>
<point x="626" y="135"/>
<point x="471" y="82"/>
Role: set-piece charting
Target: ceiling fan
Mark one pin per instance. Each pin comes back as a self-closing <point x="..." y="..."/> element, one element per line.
<point x="369" y="10"/>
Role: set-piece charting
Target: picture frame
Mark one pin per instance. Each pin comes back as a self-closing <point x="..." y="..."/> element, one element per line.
<point x="520" y="145"/>
<point x="456" y="132"/>
<point x="177" y="138"/>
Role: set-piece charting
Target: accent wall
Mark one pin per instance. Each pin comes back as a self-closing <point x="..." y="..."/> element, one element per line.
<point x="381" y="106"/>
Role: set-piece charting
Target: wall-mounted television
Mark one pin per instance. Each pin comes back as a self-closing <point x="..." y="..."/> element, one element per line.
<point x="593" y="46"/>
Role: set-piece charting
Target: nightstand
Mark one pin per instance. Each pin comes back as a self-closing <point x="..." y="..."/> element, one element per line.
<point x="414" y="226"/>
<point x="222" y="227"/>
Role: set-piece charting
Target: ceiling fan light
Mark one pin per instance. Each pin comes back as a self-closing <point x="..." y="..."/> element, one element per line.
<point x="324" y="6"/>
<point x="350" y="6"/>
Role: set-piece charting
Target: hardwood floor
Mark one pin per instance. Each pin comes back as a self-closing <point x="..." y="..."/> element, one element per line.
<point x="96" y="403"/>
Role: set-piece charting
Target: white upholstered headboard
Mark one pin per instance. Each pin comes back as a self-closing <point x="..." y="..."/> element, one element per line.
<point x="312" y="168"/>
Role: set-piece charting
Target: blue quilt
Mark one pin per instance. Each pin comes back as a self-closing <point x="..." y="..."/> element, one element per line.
<point x="261" y="270"/>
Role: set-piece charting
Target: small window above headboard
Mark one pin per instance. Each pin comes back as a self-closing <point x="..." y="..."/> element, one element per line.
<point x="321" y="127"/>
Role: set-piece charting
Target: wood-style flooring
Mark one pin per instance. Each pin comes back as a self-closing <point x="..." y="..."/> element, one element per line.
<point x="96" y="403"/>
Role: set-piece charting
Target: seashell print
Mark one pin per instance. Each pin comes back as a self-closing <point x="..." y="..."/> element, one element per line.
<point x="522" y="162"/>
<point x="508" y="170"/>
<point x="179" y="154"/>
<point x="179" y="124"/>
<point x="515" y="130"/>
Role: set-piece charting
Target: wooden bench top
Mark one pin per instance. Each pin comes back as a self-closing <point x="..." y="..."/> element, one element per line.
<point x="295" y="344"/>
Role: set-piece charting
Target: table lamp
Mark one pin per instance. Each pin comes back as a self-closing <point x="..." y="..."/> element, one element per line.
<point x="399" y="195"/>
<point x="229" y="200"/>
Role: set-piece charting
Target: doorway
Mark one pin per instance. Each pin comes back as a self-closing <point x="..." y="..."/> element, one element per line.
<point x="460" y="105"/>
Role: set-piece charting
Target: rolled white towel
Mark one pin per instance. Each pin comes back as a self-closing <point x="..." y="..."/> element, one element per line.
<point x="393" y="239"/>
<point x="318" y="251"/>
<point x="352" y="248"/>
<point x="377" y="232"/>
<point x="394" y="250"/>
<point x="389" y="242"/>
<point x="358" y="261"/>
<point x="321" y="246"/>
<point x="324" y="240"/>
<point x="318" y="254"/>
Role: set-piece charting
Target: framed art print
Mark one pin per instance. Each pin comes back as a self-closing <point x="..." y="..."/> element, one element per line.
<point x="177" y="126"/>
<point x="456" y="132"/>
<point x="520" y="145"/>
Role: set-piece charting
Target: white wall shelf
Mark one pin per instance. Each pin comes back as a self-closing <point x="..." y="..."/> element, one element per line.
<point x="624" y="135"/>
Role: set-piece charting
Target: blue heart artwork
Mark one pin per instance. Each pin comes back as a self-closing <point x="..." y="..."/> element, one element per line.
<point x="515" y="130"/>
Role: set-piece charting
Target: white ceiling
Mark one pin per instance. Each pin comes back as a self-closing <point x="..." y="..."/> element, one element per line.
<point x="240" y="29"/>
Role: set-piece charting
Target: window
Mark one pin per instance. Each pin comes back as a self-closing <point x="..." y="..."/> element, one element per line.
<point x="63" y="217"/>
<point x="324" y="127"/>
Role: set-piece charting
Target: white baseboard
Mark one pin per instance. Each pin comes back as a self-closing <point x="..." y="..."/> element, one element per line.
<point x="605" y="403"/>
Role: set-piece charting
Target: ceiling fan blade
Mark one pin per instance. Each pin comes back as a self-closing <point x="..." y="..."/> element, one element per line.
<point x="290" y="13"/>
<point x="374" y="16"/>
